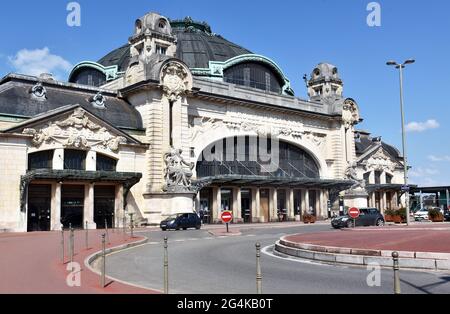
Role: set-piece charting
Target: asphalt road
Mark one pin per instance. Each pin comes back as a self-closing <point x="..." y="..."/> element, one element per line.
<point x="200" y="263"/>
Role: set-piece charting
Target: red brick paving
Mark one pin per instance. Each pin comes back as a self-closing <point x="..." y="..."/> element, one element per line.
<point x="30" y="263"/>
<point x="428" y="238"/>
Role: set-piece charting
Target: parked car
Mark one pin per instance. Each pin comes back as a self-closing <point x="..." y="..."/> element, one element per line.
<point x="447" y="215"/>
<point x="421" y="214"/>
<point x="181" y="221"/>
<point x="368" y="217"/>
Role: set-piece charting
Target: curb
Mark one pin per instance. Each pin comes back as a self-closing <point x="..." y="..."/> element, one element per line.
<point x="360" y="257"/>
<point x="95" y="256"/>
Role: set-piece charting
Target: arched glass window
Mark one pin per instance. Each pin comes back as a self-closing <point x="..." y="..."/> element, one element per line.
<point x="256" y="75"/>
<point x="40" y="160"/>
<point x="105" y="163"/>
<point x="89" y="76"/>
<point x="239" y="158"/>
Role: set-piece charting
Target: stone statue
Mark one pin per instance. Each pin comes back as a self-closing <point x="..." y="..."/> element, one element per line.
<point x="352" y="175"/>
<point x="178" y="172"/>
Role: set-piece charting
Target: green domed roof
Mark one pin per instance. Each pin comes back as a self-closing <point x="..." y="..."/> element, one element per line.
<point x="196" y="46"/>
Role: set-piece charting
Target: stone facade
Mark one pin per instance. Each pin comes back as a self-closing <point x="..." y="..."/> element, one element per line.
<point x="183" y="111"/>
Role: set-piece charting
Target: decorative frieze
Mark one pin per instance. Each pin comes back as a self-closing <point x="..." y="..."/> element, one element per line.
<point x="77" y="131"/>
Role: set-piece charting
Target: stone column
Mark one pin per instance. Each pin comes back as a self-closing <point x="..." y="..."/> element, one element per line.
<point x="273" y="205"/>
<point x="395" y="198"/>
<point x="374" y="199"/>
<point x="56" y="207"/>
<point x="89" y="206"/>
<point x="307" y="200"/>
<point x="383" y="209"/>
<point x="318" y="204"/>
<point x="119" y="206"/>
<point x="323" y="207"/>
<point x="291" y="210"/>
<point x="217" y="201"/>
<point x="256" y="205"/>
<point x="197" y="202"/>
<point x="237" y="205"/>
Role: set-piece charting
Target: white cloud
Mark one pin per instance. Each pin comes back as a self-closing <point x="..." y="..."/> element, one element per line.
<point x="422" y="126"/>
<point x="423" y="176"/>
<point x="439" y="158"/>
<point x="37" y="61"/>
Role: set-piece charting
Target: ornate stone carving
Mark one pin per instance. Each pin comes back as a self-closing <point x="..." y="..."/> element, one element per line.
<point x="350" y="113"/>
<point x="39" y="92"/>
<point x="77" y="131"/>
<point x="178" y="174"/>
<point x="78" y="120"/>
<point x="318" y="140"/>
<point x="98" y="101"/>
<point x="380" y="161"/>
<point x="351" y="174"/>
<point x="174" y="81"/>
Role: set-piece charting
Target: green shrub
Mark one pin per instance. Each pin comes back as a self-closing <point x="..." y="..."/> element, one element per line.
<point x="401" y="212"/>
<point x="389" y="212"/>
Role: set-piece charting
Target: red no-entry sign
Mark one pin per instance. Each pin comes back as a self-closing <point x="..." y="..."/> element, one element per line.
<point x="354" y="213"/>
<point x="227" y="217"/>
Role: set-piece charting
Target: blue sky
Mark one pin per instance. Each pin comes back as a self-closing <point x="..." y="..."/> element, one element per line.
<point x="296" y="34"/>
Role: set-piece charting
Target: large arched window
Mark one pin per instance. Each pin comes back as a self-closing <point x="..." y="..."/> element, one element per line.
<point x="253" y="74"/>
<point x="89" y="76"/>
<point x="238" y="158"/>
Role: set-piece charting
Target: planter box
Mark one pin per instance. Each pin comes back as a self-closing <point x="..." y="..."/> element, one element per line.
<point x="389" y="218"/>
<point x="398" y="220"/>
<point x="440" y="218"/>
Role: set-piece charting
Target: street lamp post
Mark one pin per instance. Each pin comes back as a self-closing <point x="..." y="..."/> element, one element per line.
<point x="400" y="67"/>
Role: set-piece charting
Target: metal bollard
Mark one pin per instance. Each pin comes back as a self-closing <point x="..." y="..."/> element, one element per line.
<point x="258" y="269"/>
<point x="62" y="245"/>
<point x="72" y="245"/>
<point x="87" y="236"/>
<point x="106" y="230"/>
<point x="397" y="286"/>
<point x="103" y="266"/>
<point x="131" y="225"/>
<point x="166" y="267"/>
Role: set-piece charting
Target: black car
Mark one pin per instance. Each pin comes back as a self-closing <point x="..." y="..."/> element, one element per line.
<point x="447" y="215"/>
<point x="181" y="221"/>
<point x="368" y="217"/>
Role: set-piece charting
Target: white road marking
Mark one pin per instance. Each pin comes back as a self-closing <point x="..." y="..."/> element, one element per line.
<point x="267" y="250"/>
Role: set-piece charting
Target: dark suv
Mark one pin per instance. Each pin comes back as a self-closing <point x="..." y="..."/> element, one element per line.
<point x="368" y="217"/>
<point x="447" y="215"/>
<point x="181" y="221"/>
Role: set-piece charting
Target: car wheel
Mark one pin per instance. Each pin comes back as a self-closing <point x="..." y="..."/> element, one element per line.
<point x="198" y="227"/>
<point x="164" y="229"/>
<point x="184" y="229"/>
<point x="349" y="224"/>
<point x="380" y="223"/>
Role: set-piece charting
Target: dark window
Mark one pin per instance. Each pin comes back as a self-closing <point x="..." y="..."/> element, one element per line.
<point x="389" y="179"/>
<point x="377" y="177"/>
<point x="293" y="162"/>
<point x="41" y="160"/>
<point x="105" y="163"/>
<point x="89" y="76"/>
<point x="254" y="75"/>
<point x="367" y="177"/>
<point x="74" y="159"/>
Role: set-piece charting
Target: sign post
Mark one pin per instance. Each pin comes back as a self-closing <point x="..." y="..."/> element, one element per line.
<point x="354" y="213"/>
<point x="227" y="217"/>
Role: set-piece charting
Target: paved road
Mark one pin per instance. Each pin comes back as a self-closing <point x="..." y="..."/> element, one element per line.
<point x="201" y="263"/>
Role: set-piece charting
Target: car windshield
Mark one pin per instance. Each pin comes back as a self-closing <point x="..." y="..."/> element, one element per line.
<point x="174" y="217"/>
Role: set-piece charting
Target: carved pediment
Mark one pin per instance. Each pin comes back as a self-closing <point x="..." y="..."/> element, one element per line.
<point x="75" y="131"/>
<point x="380" y="161"/>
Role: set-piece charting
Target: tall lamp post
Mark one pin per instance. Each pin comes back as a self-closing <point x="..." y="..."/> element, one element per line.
<point x="400" y="67"/>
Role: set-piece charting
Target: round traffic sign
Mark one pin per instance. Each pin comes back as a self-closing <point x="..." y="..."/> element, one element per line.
<point x="354" y="212"/>
<point x="227" y="217"/>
